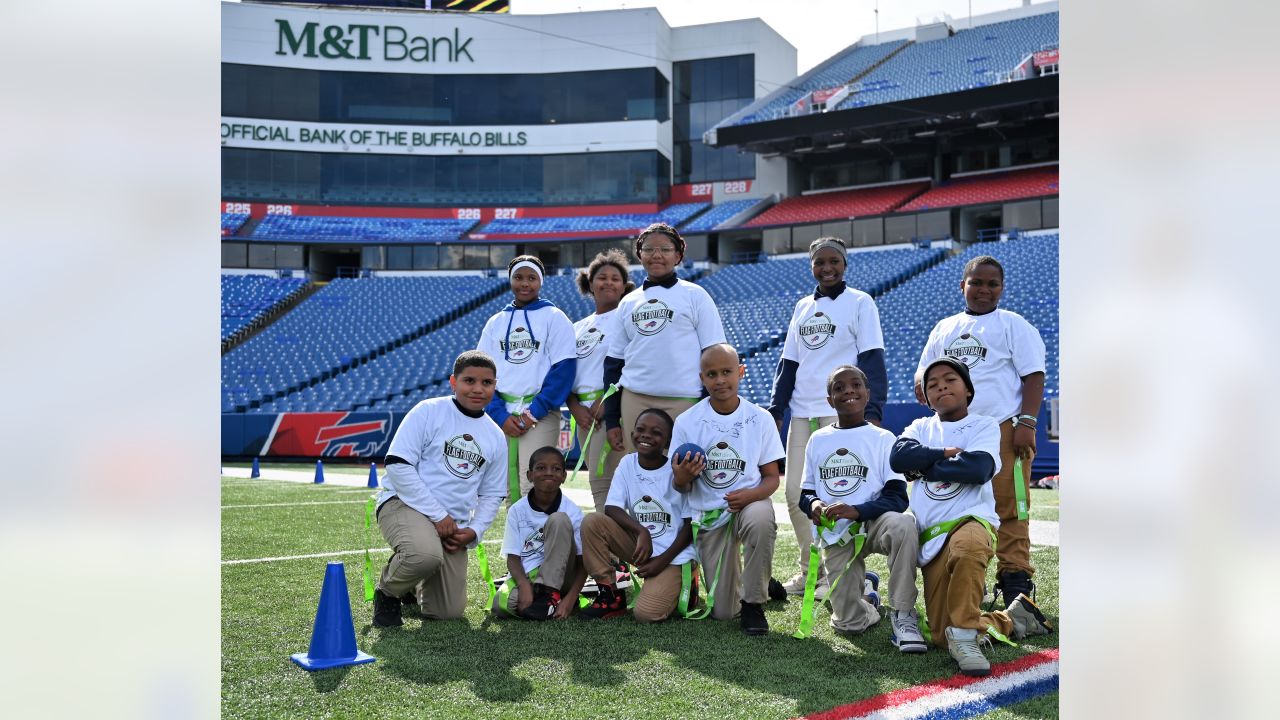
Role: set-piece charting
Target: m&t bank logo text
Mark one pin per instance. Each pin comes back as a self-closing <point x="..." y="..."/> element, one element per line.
<point x="357" y="42"/>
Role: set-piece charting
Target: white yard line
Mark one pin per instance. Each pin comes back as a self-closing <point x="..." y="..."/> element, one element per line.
<point x="295" y="504"/>
<point x="304" y="557"/>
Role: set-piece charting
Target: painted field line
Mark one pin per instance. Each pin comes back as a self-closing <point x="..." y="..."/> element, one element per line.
<point x="295" y="504"/>
<point x="959" y="697"/>
<point x="304" y="557"/>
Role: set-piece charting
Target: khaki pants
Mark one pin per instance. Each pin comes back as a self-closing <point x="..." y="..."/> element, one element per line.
<point x="893" y="535"/>
<point x="559" y="554"/>
<point x="545" y="433"/>
<point x="797" y="440"/>
<point x="420" y="563"/>
<point x="599" y="482"/>
<point x="953" y="584"/>
<point x="634" y="403"/>
<point x="1013" y="551"/>
<point x="601" y="537"/>
<point x="755" y="530"/>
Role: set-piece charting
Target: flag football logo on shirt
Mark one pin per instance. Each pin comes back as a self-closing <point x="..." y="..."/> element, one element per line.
<point x="650" y="513"/>
<point x="724" y="466"/>
<point x="968" y="349"/>
<point x="588" y="341"/>
<point x="942" y="490"/>
<point x="817" y="330"/>
<point x="842" y="472"/>
<point x="462" y="456"/>
<point x="519" y="346"/>
<point x="533" y="544"/>
<point x="651" y="317"/>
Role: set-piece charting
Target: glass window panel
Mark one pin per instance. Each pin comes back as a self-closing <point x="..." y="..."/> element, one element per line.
<point x="399" y="257"/>
<point x="262" y="255"/>
<point x="425" y="257"/>
<point x="476" y="257"/>
<point x="371" y="257"/>
<point x="501" y="255"/>
<point x="234" y="255"/>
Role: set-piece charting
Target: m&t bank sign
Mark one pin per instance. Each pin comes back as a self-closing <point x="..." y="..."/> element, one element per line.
<point x="358" y="42"/>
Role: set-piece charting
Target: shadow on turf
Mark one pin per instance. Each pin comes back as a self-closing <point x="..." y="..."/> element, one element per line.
<point x="486" y="656"/>
<point x="328" y="680"/>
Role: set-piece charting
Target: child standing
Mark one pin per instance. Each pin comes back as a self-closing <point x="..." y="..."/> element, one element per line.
<point x="605" y="281"/>
<point x="646" y="522"/>
<point x="729" y="489"/>
<point x="532" y="343"/>
<point x="662" y="329"/>
<point x="856" y="502"/>
<point x="836" y="325"/>
<point x="1005" y="356"/>
<point x="543" y="544"/>
<point x="952" y="455"/>
<point x="443" y="485"/>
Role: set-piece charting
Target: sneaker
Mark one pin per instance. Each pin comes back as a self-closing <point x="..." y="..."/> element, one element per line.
<point x="1027" y="618"/>
<point x="822" y="589"/>
<point x="610" y="603"/>
<point x="1013" y="583"/>
<point x="752" y="619"/>
<point x="871" y="588"/>
<point x="962" y="643"/>
<point x="544" y="603"/>
<point x="622" y="575"/>
<point x="906" y="632"/>
<point x="386" y="610"/>
<point x="778" y="591"/>
<point x="794" y="586"/>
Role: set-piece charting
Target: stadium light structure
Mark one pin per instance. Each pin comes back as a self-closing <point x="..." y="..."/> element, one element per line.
<point x="989" y="123"/>
<point x="871" y="141"/>
<point x="926" y="133"/>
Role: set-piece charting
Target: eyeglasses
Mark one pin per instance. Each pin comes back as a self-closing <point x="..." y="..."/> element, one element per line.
<point x="650" y="251"/>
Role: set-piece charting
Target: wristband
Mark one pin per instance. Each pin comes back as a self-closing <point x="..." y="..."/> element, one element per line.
<point x="1025" y="420"/>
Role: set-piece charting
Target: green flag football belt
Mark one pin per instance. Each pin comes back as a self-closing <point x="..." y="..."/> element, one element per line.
<point x="504" y="594"/>
<point x="855" y="534"/>
<point x="700" y="523"/>
<point x="1019" y="489"/>
<point x="513" y="450"/>
<point x="573" y="432"/>
<point x="945" y="528"/>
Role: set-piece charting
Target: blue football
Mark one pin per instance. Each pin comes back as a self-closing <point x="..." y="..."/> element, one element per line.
<point x="687" y="448"/>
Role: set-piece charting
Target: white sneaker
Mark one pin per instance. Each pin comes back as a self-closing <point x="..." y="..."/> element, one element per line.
<point x="1027" y="618"/>
<point x="821" y="589"/>
<point x="795" y="586"/>
<point x="963" y="645"/>
<point x="906" y="632"/>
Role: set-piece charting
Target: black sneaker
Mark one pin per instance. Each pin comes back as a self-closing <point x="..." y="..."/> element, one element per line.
<point x="544" y="603"/>
<point x="777" y="592"/>
<point x="610" y="603"/>
<point x="753" y="620"/>
<point x="1013" y="583"/>
<point x="386" y="610"/>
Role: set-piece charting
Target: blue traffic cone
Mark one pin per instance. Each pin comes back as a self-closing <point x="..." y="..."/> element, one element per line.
<point x="319" y="472"/>
<point x="256" y="472"/>
<point x="333" y="637"/>
<point x="373" y="475"/>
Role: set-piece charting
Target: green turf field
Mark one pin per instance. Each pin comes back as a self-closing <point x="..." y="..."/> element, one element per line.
<point x="481" y="667"/>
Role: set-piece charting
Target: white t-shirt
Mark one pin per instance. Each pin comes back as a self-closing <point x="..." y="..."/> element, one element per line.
<point x="849" y="465"/>
<point x="457" y="458"/>
<point x="736" y="445"/>
<point x="660" y="335"/>
<point x="933" y="502"/>
<point x="525" y="346"/>
<point x="525" y="531"/>
<point x="592" y="335"/>
<point x="823" y="334"/>
<point x="652" y="500"/>
<point x="999" y="348"/>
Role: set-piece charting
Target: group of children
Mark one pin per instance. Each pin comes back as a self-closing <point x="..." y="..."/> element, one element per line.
<point x="689" y="504"/>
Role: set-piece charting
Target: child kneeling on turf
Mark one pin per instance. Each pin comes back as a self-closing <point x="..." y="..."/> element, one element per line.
<point x="542" y="544"/>
<point x="729" y="489"/>
<point x="856" y="502"/>
<point x="645" y="522"/>
<point x="952" y="455"/>
<point x="446" y="477"/>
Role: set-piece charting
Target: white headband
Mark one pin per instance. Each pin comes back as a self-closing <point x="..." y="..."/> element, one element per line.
<point x="525" y="264"/>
